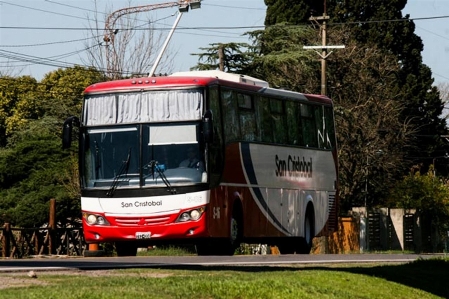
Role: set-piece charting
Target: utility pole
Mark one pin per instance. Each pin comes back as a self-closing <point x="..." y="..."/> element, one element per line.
<point x="321" y="21"/>
<point x="221" y="57"/>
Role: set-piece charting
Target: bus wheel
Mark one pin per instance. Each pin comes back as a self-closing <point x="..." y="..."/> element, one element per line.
<point x="235" y="231"/>
<point x="309" y="231"/>
<point x="126" y="248"/>
<point x="225" y="246"/>
<point x="300" y="245"/>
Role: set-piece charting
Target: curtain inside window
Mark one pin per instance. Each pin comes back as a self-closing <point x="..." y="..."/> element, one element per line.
<point x="148" y="106"/>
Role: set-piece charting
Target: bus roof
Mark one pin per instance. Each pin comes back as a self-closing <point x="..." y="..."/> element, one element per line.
<point x="200" y="78"/>
<point x="224" y="76"/>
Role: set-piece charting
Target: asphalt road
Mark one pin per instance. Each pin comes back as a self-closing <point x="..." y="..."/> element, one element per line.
<point x="100" y="263"/>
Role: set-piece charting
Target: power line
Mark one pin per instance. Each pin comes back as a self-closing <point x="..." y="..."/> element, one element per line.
<point x="225" y="27"/>
<point x="49" y="61"/>
<point x="161" y="28"/>
<point x="41" y="10"/>
<point x="234" y="7"/>
<point x="76" y="7"/>
<point x="50" y="43"/>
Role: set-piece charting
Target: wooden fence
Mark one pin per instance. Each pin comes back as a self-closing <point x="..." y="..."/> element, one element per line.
<point x="50" y="240"/>
<point x="27" y="242"/>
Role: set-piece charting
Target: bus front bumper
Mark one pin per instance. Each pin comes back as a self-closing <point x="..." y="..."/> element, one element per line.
<point x="147" y="233"/>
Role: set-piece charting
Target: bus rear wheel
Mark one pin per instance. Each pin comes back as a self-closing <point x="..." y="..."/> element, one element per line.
<point x="309" y="231"/>
<point x="301" y="245"/>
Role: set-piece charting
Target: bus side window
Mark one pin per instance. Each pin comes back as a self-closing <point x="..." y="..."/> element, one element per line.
<point x="231" y="123"/>
<point x="264" y="116"/>
<point x="320" y="126"/>
<point x="293" y="129"/>
<point x="278" y="121"/>
<point x="330" y="130"/>
<point x="247" y="117"/>
<point x="309" y="131"/>
<point x="216" y="147"/>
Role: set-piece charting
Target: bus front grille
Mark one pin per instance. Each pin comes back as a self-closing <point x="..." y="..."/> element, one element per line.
<point x="142" y="221"/>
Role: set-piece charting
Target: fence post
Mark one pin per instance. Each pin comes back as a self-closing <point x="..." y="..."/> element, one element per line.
<point x="52" y="227"/>
<point x="6" y="244"/>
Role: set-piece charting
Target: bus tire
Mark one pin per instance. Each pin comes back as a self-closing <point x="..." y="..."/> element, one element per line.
<point x="226" y="246"/>
<point x="235" y="230"/>
<point x="126" y="248"/>
<point x="301" y="245"/>
<point x="309" y="230"/>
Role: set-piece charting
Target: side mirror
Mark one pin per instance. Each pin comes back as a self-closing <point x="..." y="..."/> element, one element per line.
<point x="208" y="128"/>
<point x="67" y="131"/>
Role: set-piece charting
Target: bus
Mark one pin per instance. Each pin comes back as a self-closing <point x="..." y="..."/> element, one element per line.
<point x="265" y="169"/>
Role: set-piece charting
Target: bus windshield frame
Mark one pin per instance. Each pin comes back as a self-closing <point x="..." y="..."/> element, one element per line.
<point x="136" y="152"/>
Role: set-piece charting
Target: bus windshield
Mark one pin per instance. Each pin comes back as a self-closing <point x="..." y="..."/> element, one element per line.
<point x="142" y="156"/>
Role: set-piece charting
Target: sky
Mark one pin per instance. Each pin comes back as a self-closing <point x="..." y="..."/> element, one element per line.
<point x="38" y="36"/>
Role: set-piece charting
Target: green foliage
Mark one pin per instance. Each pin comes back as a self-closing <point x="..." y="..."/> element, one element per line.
<point x="234" y="58"/>
<point x="33" y="166"/>
<point x="282" y="61"/>
<point x="62" y="90"/>
<point x="421" y="101"/>
<point x="291" y="11"/>
<point x="429" y="196"/>
<point x="424" y="192"/>
<point x="19" y="102"/>
<point x="169" y="250"/>
<point x="59" y="94"/>
<point x="33" y="171"/>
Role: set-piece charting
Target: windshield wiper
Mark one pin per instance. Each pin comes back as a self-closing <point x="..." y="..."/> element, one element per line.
<point x="154" y="165"/>
<point x="123" y="171"/>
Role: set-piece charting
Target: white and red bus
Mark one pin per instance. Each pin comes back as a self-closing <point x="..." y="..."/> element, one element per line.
<point x="266" y="169"/>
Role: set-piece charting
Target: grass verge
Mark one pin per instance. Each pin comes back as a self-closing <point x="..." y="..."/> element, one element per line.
<point x="420" y="279"/>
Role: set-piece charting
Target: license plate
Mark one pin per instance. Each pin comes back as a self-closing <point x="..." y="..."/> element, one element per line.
<point x="142" y="236"/>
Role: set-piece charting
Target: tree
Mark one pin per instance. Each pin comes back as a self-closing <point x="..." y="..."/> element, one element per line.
<point x="371" y="133"/>
<point x="230" y="57"/>
<point x="62" y="90"/>
<point x="281" y="59"/>
<point x="291" y="11"/>
<point x="18" y="104"/>
<point x="129" y="48"/>
<point x="422" y="102"/>
<point x="429" y="196"/>
<point x="33" y="167"/>
<point x="32" y="172"/>
<point x="443" y="89"/>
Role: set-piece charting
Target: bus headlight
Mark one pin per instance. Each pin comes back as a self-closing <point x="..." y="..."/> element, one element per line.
<point x="101" y="221"/>
<point x="195" y="214"/>
<point x="191" y="215"/>
<point x="184" y="217"/>
<point x="93" y="219"/>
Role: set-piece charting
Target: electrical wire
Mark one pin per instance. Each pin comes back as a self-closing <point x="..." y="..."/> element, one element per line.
<point x="51" y="61"/>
